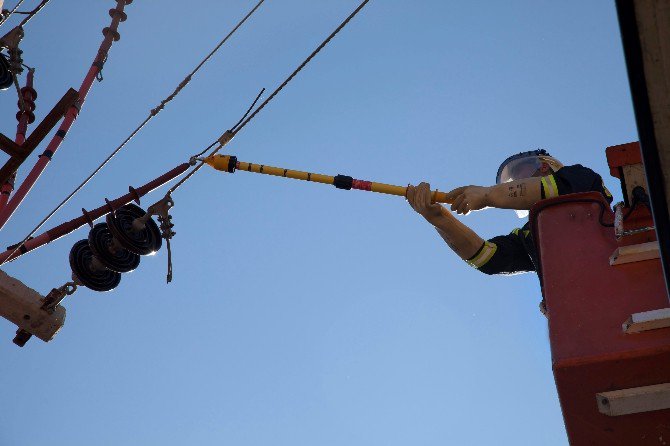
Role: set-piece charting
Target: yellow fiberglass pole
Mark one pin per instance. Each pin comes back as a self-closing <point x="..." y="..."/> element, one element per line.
<point x="228" y="163"/>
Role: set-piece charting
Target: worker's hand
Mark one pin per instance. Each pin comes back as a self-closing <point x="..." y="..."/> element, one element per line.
<point x="468" y="198"/>
<point x="419" y="197"/>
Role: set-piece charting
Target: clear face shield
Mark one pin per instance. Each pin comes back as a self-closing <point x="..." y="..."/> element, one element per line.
<point x="523" y="167"/>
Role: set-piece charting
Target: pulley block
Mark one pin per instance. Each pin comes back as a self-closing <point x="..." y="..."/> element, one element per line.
<point x="90" y="272"/>
<point x="110" y="252"/>
<point x="6" y="76"/>
<point x="139" y="239"/>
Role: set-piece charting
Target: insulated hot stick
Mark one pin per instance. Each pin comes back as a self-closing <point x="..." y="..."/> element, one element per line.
<point x="230" y="164"/>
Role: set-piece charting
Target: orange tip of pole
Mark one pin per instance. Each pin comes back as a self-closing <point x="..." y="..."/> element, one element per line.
<point x="225" y="163"/>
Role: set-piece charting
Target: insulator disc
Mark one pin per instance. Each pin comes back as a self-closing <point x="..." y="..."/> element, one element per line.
<point x="6" y="76"/>
<point x="101" y="242"/>
<point x="30" y="92"/>
<point x="143" y="242"/>
<point x="30" y="105"/>
<point x="31" y="116"/>
<point x="93" y="278"/>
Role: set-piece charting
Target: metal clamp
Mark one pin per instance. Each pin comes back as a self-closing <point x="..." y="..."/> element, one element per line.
<point x="226" y="137"/>
<point x="56" y="296"/>
<point x="51" y="302"/>
<point x="162" y="211"/>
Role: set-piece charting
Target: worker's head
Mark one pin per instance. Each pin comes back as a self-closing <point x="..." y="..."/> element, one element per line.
<point x="535" y="163"/>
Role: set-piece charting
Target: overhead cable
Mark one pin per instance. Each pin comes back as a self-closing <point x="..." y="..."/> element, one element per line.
<point x="155" y="111"/>
<point x="6" y="17"/>
<point x="301" y="66"/>
<point x="111" y="35"/>
<point x="228" y="135"/>
<point x="33" y="13"/>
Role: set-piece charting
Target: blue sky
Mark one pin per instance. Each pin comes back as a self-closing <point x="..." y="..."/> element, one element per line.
<point x="298" y="313"/>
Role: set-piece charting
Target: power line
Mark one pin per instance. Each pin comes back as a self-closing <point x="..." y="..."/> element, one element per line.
<point x="33" y="13"/>
<point x="29" y="14"/>
<point x="230" y="134"/>
<point x="302" y="65"/>
<point x="12" y="11"/>
<point x="226" y="137"/>
<point x="155" y="111"/>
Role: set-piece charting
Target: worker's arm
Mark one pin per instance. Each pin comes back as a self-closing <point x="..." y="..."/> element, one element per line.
<point x="461" y="239"/>
<point x="501" y="255"/>
<point x="520" y="194"/>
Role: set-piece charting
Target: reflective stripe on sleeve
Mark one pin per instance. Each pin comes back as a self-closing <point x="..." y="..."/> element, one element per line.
<point x="549" y="186"/>
<point x="483" y="255"/>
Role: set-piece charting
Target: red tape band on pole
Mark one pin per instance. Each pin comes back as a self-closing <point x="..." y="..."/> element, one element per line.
<point x="362" y="185"/>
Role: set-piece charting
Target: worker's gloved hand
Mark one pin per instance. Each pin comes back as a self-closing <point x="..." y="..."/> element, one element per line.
<point x="468" y="198"/>
<point x="419" y="197"/>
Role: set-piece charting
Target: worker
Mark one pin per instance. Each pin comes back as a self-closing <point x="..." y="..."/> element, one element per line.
<point x="522" y="180"/>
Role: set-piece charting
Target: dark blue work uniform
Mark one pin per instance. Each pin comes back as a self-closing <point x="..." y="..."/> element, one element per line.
<point x="515" y="253"/>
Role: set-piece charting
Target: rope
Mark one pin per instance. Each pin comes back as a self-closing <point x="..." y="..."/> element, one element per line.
<point x="9" y="14"/>
<point x="239" y="126"/>
<point x="152" y="114"/>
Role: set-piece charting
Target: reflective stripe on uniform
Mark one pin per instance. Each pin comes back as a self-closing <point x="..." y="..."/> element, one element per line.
<point x="549" y="186"/>
<point x="483" y="255"/>
<point x="518" y="231"/>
